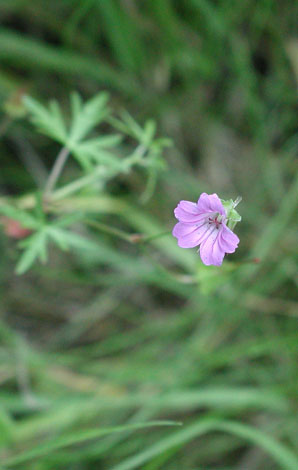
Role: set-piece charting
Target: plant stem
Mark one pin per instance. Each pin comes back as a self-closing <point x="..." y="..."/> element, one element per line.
<point x="111" y="230"/>
<point x="85" y="180"/>
<point x="134" y="238"/>
<point x="136" y="157"/>
<point x="149" y="238"/>
<point x="56" y="171"/>
<point x="78" y="184"/>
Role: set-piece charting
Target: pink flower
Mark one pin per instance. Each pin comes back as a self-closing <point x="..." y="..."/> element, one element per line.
<point x="204" y="223"/>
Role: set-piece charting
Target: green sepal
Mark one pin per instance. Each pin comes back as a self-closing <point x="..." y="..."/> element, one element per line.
<point x="233" y="216"/>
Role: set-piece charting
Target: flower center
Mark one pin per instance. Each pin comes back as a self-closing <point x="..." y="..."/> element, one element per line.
<point x="215" y="220"/>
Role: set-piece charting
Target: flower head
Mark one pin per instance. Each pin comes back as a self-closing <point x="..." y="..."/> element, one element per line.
<point x="204" y="224"/>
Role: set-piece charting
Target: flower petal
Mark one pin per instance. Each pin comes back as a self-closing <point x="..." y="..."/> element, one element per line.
<point x="189" y="235"/>
<point x="210" y="203"/>
<point x="210" y="250"/>
<point x="228" y="240"/>
<point x="188" y="212"/>
<point x="208" y="228"/>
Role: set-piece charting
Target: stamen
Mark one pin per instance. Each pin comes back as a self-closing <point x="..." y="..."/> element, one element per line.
<point x="217" y="220"/>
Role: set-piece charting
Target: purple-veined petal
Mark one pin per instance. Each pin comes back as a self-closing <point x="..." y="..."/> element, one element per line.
<point x="188" y="212"/>
<point x="210" y="203"/>
<point x="208" y="229"/>
<point x="217" y="253"/>
<point x="228" y="240"/>
<point x="189" y="235"/>
<point x="210" y="250"/>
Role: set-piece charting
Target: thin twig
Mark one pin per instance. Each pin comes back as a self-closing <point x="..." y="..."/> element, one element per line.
<point x="56" y="171"/>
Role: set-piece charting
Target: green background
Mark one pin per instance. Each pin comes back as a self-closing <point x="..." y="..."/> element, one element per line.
<point x="138" y="335"/>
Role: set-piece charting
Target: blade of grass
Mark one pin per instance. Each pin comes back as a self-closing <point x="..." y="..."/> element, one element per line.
<point x="122" y="35"/>
<point x="32" y="54"/>
<point x="78" y="438"/>
<point x="281" y="454"/>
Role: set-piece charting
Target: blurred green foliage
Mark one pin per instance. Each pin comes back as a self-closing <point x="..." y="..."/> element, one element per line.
<point x="96" y="345"/>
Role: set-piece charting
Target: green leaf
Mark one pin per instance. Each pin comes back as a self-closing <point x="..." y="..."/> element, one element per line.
<point x="26" y="220"/>
<point x="69" y="219"/>
<point x="86" y="116"/>
<point x="39" y="210"/>
<point x="162" y="142"/>
<point x="93" y="151"/>
<point x="149" y="131"/>
<point x="131" y="126"/>
<point x="35" y="247"/>
<point x="67" y="239"/>
<point x="59" y="237"/>
<point x="49" y="120"/>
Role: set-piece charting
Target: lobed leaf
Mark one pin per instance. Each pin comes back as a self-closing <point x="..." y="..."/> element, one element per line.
<point x="86" y="116"/>
<point x="49" y="121"/>
<point x="25" y="218"/>
<point x="35" y="247"/>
